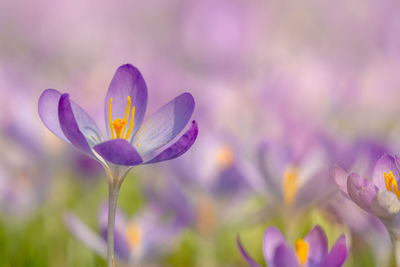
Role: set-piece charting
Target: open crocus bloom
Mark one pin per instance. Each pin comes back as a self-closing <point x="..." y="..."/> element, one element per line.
<point x="379" y="196"/>
<point x="130" y="141"/>
<point x="312" y="251"/>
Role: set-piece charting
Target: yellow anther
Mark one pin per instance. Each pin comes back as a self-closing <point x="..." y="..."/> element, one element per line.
<point x="391" y="183"/>
<point x="131" y="123"/>
<point x="225" y="156"/>
<point x="126" y="115"/>
<point x="387" y="179"/>
<point x="302" y="250"/>
<point x="110" y="120"/>
<point x="134" y="235"/>
<point x="118" y="126"/>
<point x="138" y="144"/>
<point x="290" y="185"/>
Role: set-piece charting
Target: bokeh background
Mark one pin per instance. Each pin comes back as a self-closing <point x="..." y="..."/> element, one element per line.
<point x="277" y="84"/>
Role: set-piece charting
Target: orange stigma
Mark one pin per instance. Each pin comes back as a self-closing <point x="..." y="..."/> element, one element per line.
<point x="391" y="184"/>
<point x="302" y="250"/>
<point x="118" y="126"/>
<point x="134" y="235"/>
<point x="290" y="185"/>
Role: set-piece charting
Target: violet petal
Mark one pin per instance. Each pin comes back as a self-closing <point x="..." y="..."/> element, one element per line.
<point x="337" y="255"/>
<point x="273" y="238"/>
<point x="361" y="191"/>
<point x="245" y="255"/>
<point x="48" y="112"/>
<point x="164" y="125"/>
<point x="179" y="147"/>
<point x="285" y="257"/>
<point x="70" y="126"/>
<point x="118" y="151"/>
<point x="384" y="164"/>
<point x="318" y="244"/>
<point x="127" y="81"/>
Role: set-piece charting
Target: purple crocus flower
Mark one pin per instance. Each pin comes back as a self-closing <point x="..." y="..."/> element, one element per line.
<point x="312" y="251"/>
<point x="378" y="196"/>
<point x="147" y="235"/>
<point x="130" y="141"/>
<point x="293" y="167"/>
<point x="218" y="182"/>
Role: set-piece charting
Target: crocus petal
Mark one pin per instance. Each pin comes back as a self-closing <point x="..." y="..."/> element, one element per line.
<point x="179" y="147"/>
<point x="245" y="255"/>
<point x="385" y="204"/>
<point x="273" y="238"/>
<point x="285" y="257"/>
<point x="69" y="125"/>
<point x="386" y="163"/>
<point x="86" y="235"/>
<point x="340" y="177"/>
<point x="337" y="255"/>
<point x="48" y="112"/>
<point x="121" y="243"/>
<point x="118" y="151"/>
<point x="318" y="244"/>
<point x="361" y="191"/>
<point x="164" y="125"/>
<point x="127" y="81"/>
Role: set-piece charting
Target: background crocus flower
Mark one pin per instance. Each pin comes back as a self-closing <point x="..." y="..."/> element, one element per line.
<point x="130" y="140"/>
<point x="292" y="167"/>
<point x="219" y="184"/>
<point x="378" y="196"/>
<point x="310" y="251"/>
<point x="142" y="238"/>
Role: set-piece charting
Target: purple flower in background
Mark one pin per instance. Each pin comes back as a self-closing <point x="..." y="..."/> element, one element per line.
<point x="24" y="182"/>
<point x="378" y="196"/>
<point x="362" y="156"/>
<point x="292" y="167"/>
<point x="143" y="237"/>
<point x="309" y="252"/>
<point x="218" y="181"/>
<point x="130" y="141"/>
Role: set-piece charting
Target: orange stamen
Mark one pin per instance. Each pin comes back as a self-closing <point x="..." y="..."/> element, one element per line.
<point x="110" y="120"/>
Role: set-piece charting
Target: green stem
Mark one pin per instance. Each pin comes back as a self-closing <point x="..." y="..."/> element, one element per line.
<point x="396" y="248"/>
<point x="113" y="190"/>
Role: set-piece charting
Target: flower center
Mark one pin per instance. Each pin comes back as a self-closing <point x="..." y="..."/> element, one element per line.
<point x="302" y="250"/>
<point x="134" y="235"/>
<point x="118" y="126"/>
<point x="225" y="156"/>
<point x="391" y="184"/>
<point x="290" y="184"/>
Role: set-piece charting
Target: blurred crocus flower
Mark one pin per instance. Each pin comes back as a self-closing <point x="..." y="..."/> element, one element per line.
<point x="379" y="196"/>
<point x="293" y="167"/>
<point x="24" y="181"/>
<point x="218" y="181"/>
<point x="362" y="156"/>
<point x="144" y="237"/>
<point x="309" y="252"/>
